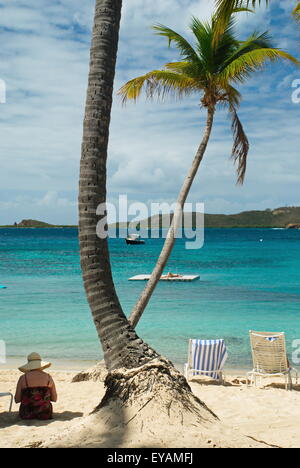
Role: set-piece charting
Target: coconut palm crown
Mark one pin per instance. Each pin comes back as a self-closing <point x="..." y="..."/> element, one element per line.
<point x="211" y="68"/>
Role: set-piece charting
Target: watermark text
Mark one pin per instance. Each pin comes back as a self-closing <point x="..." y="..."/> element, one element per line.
<point x="160" y="220"/>
<point x="296" y="93"/>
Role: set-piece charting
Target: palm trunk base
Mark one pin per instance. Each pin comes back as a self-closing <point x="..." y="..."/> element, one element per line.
<point x="155" y="383"/>
<point x="96" y="373"/>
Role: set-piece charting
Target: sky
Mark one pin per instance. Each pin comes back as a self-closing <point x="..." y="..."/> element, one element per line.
<point x="44" y="59"/>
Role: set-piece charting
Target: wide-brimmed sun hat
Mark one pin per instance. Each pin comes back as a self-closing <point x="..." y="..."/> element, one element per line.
<point x="34" y="363"/>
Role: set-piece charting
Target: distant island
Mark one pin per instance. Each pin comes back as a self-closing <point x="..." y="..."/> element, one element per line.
<point x="32" y="223"/>
<point x="286" y="217"/>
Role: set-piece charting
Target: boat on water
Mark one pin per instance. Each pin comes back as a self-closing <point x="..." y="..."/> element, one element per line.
<point x="134" y="239"/>
<point x="2" y="287"/>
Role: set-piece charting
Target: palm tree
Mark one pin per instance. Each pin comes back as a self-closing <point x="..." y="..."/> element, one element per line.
<point x="210" y="70"/>
<point x="137" y="374"/>
<point x="122" y="347"/>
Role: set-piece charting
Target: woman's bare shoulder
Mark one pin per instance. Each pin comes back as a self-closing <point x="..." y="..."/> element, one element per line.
<point x="48" y="377"/>
<point x="21" y="379"/>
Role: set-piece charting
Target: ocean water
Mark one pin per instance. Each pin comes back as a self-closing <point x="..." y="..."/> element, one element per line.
<point x="250" y="279"/>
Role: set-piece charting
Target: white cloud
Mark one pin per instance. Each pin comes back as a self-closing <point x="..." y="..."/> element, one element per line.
<point x="52" y="199"/>
<point x="44" y="61"/>
<point x="48" y="206"/>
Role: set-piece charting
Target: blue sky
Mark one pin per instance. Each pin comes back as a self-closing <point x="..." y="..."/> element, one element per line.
<point x="44" y="62"/>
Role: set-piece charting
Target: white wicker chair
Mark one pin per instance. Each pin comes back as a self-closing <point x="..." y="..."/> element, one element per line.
<point x="270" y="358"/>
<point x="11" y="398"/>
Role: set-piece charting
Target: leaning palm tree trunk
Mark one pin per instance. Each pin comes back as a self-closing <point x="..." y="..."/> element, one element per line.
<point x="121" y="345"/>
<point x="171" y="236"/>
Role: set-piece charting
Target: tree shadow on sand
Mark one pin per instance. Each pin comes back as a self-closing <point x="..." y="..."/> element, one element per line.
<point x="207" y="382"/>
<point x="12" y="419"/>
<point x="106" y="428"/>
<point x="109" y="426"/>
<point x="281" y="386"/>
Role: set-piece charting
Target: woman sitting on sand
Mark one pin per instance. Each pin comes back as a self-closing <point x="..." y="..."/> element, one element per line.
<point x="35" y="390"/>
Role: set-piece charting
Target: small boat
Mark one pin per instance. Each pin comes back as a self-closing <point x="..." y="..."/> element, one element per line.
<point x="2" y="287"/>
<point x="134" y="239"/>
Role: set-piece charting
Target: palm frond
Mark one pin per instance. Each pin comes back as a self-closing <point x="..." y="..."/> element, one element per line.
<point x="296" y="13"/>
<point x="226" y="7"/>
<point x="191" y="69"/>
<point x="185" y="49"/>
<point x="202" y="31"/>
<point x="240" y="146"/>
<point x="233" y="96"/>
<point x="211" y="55"/>
<point x="242" y="10"/>
<point x="224" y="10"/>
<point x="160" y="83"/>
<point x="255" y="41"/>
<point x="226" y="46"/>
<point x="242" y="66"/>
<point x="227" y="16"/>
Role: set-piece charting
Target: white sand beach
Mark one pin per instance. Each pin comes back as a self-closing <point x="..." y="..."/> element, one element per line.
<point x="249" y="417"/>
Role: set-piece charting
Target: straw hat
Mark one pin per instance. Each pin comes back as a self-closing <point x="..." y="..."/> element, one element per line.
<point x="34" y="363"/>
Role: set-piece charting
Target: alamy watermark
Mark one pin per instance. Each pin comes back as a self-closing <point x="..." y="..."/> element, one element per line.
<point x="296" y="93"/>
<point x="2" y="92"/>
<point x="154" y="222"/>
<point x="2" y="352"/>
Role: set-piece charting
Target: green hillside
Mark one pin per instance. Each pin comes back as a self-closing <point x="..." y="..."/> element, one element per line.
<point x="280" y="218"/>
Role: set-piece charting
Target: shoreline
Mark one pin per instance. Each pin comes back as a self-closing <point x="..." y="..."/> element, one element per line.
<point x="65" y="365"/>
<point x="70" y="365"/>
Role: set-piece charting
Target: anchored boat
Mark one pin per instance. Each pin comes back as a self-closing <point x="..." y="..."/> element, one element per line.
<point x="134" y="239"/>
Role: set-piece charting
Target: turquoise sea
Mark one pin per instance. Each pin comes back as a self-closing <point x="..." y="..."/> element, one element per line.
<point x="250" y="279"/>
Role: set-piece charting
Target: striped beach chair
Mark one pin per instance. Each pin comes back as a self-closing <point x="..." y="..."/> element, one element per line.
<point x="206" y="357"/>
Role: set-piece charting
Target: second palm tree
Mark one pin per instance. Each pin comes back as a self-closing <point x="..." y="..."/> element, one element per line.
<point x="210" y="69"/>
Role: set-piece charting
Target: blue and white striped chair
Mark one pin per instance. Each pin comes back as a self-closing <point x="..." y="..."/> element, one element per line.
<point x="206" y="357"/>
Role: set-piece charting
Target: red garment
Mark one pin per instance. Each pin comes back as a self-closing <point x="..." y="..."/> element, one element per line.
<point x="36" y="402"/>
